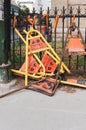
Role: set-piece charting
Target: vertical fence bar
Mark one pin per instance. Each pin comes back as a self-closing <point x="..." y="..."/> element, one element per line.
<point x="20" y="53"/>
<point x="40" y="26"/>
<point x="78" y="12"/>
<point x="20" y="27"/>
<point x="47" y="32"/>
<point x="71" y="11"/>
<point x="40" y="18"/>
<point x="33" y="16"/>
<point x="63" y="18"/>
<point x="85" y="50"/>
<point x="63" y="27"/>
<point x="55" y="30"/>
<point x="13" y="43"/>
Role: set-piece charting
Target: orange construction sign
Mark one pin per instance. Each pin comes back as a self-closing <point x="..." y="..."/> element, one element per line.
<point x="75" y="45"/>
<point x="36" y="44"/>
<point x="49" y="64"/>
<point x="33" y="66"/>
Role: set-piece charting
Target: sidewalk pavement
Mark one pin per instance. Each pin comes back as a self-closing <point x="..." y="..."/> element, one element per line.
<point x="29" y="110"/>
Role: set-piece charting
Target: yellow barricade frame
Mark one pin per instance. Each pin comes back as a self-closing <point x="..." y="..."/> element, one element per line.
<point x="48" y="50"/>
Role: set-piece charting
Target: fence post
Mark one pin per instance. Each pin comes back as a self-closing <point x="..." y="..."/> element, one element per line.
<point x="13" y="39"/>
<point x="70" y="34"/>
<point x="55" y="30"/>
<point x="5" y="41"/>
<point x="63" y="18"/>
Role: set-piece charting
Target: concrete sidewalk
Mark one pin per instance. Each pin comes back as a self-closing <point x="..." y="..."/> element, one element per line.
<point x="29" y="110"/>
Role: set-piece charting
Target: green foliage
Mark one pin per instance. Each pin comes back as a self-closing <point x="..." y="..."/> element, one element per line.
<point x="19" y="54"/>
<point x="24" y="10"/>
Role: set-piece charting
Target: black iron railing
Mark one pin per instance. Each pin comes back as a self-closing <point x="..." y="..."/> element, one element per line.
<point x="65" y="15"/>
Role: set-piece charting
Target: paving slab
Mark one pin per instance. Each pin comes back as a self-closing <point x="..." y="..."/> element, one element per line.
<point x="29" y="110"/>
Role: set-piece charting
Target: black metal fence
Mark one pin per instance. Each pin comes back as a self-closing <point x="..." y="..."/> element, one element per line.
<point x="74" y="62"/>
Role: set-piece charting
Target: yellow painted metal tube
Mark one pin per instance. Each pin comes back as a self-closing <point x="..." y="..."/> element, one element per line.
<point x="54" y="53"/>
<point x="25" y="31"/>
<point x="23" y="73"/>
<point x="41" y="64"/>
<point x="27" y="64"/>
<point x="30" y="38"/>
<point x="50" y="74"/>
<point x="73" y="84"/>
<point x="36" y="51"/>
<point x="54" y="58"/>
<point x="65" y="67"/>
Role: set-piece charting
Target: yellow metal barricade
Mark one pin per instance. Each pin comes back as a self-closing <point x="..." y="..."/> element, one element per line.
<point x="36" y="66"/>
